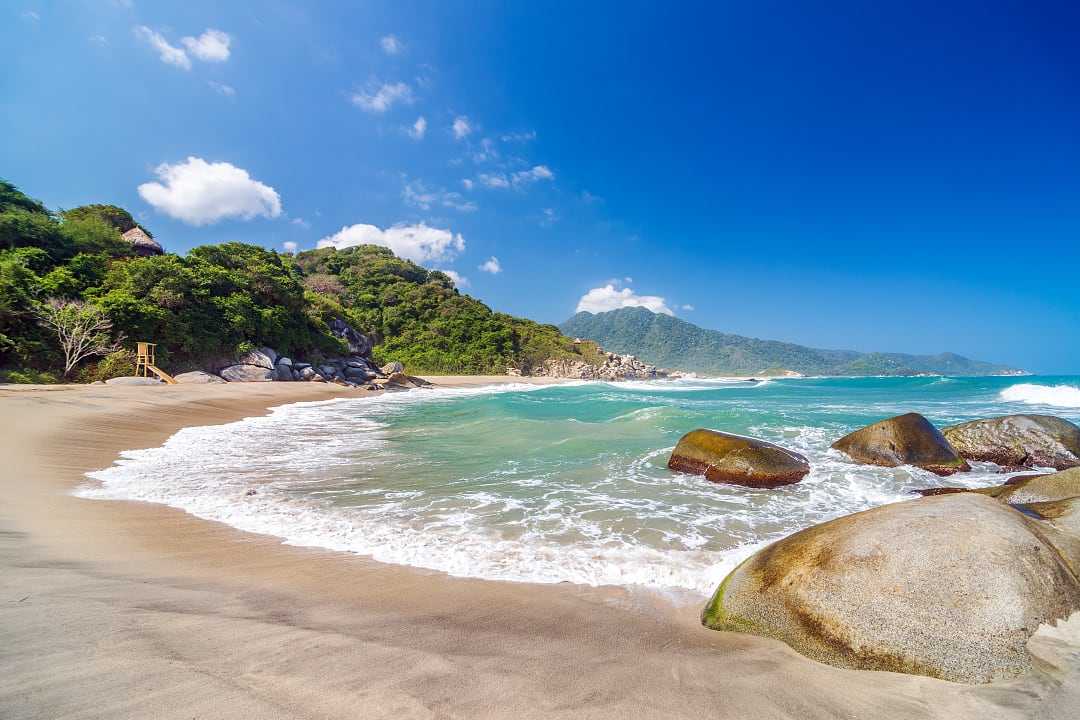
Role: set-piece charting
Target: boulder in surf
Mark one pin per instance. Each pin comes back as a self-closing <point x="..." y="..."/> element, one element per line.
<point x="908" y="439"/>
<point x="1015" y="441"/>
<point x="726" y="458"/>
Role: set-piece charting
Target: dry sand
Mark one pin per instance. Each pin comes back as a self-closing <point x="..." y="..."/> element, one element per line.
<point x="131" y="610"/>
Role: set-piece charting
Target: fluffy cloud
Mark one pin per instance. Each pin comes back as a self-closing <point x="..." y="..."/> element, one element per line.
<point x="609" y="297"/>
<point x="459" y="280"/>
<point x="486" y="152"/>
<point x="383" y="98"/>
<point x="418" y="243"/>
<point x="467" y="183"/>
<point x="493" y="180"/>
<point x="290" y="246"/>
<point x="418" y="129"/>
<point x="200" y="193"/>
<point x="169" y="54"/>
<point x="461" y="127"/>
<point x="491" y="265"/>
<point x="211" y="46"/>
<point x="688" y="307"/>
<point x="391" y="44"/>
<point x="418" y="195"/>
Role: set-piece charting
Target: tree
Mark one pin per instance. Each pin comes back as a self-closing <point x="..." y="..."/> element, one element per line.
<point x="83" y="330"/>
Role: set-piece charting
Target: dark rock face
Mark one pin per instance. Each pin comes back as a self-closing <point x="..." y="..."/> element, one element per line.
<point x="359" y="344"/>
<point x="951" y="587"/>
<point x="726" y="458"/>
<point x="903" y="440"/>
<point x="1015" y="441"/>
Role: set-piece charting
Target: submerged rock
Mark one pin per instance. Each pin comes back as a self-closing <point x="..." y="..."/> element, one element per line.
<point x="1018" y="441"/>
<point x="903" y="440"/>
<point x="726" y="458"/>
<point x="951" y="587"/>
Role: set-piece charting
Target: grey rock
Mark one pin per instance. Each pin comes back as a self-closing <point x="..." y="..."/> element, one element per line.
<point x="284" y="361"/>
<point x="300" y="365"/>
<point x="263" y="357"/>
<point x="308" y="373"/>
<point x="1018" y="441"/>
<point x="358" y="343"/>
<point x="283" y="373"/>
<point x="393" y="367"/>
<point x="197" y="377"/>
<point x="247" y="373"/>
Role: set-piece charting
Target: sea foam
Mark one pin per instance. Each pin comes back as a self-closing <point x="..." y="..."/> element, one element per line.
<point x="1065" y="396"/>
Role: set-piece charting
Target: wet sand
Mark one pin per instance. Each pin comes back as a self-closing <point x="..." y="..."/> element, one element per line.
<point x="132" y="610"/>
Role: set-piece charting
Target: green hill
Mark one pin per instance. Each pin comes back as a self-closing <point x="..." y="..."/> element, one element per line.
<point x="678" y="345"/>
<point x="222" y="300"/>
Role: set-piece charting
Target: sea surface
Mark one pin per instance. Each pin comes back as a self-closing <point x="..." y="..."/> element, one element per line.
<point x="556" y="483"/>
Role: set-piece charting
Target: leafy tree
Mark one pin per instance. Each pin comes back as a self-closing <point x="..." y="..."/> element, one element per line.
<point x="118" y="217"/>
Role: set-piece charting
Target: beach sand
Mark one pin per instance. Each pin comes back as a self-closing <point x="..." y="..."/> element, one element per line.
<point x="131" y="610"/>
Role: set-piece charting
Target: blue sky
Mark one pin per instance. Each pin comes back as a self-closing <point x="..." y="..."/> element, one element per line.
<point x="896" y="177"/>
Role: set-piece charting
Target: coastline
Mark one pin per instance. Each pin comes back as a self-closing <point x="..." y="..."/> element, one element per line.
<point x="121" y="609"/>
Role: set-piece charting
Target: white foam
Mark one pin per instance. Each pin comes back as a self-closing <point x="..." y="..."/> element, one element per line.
<point x="1067" y="396"/>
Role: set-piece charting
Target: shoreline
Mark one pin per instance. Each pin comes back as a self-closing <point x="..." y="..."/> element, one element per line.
<point x="116" y="608"/>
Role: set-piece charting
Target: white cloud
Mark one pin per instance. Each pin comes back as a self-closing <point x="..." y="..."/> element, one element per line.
<point x="290" y="246"/>
<point x="461" y="127"/>
<point x="519" y="136"/>
<point x="211" y="46"/>
<point x="201" y="193"/>
<point x="537" y="172"/>
<point x="487" y="151"/>
<point x="418" y="195"/>
<point x="300" y="222"/>
<point x="550" y="217"/>
<point x="31" y="16"/>
<point x="688" y="307"/>
<point x="418" y="243"/>
<point x="169" y="54"/>
<point x="391" y="44"/>
<point x="467" y="183"/>
<point x="221" y="88"/>
<point x="418" y="129"/>
<point x="493" y="180"/>
<point x="588" y="198"/>
<point x="609" y="297"/>
<point x="384" y="97"/>
<point x="491" y="265"/>
<point x="460" y="280"/>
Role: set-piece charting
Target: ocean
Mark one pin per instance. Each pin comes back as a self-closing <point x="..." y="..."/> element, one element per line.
<point x="562" y="483"/>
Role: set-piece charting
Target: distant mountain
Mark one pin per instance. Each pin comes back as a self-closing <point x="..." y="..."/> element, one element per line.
<point x="678" y="345"/>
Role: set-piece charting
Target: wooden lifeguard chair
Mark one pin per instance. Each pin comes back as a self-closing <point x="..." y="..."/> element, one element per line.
<point x="144" y="363"/>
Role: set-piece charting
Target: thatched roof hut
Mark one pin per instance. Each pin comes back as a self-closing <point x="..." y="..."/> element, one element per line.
<point x="143" y="244"/>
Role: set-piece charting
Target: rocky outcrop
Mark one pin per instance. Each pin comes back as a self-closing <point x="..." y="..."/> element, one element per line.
<point x="737" y="460"/>
<point x="1015" y="441"/>
<point x="612" y="369"/>
<point x="197" y="377"/>
<point x="247" y="373"/>
<point x="359" y="344"/>
<point x="1037" y="488"/>
<point x="950" y="587"/>
<point x="902" y="440"/>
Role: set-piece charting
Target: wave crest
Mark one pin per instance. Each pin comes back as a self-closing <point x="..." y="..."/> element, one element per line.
<point x="1055" y="395"/>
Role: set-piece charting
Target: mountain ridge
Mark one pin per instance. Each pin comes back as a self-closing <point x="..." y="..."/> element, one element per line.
<point x="676" y="344"/>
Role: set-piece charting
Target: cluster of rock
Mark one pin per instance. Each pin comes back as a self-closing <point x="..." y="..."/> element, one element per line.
<point x="264" y="364"/>
<point x="613" y="369"/>
<point x="951" y="586"/>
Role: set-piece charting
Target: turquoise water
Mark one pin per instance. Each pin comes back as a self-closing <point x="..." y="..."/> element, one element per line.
<point x="558" y="483"/>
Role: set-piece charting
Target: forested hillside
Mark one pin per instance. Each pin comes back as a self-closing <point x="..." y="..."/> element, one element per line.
<point x="221" y="300"/>
<point x="678" y="345"/>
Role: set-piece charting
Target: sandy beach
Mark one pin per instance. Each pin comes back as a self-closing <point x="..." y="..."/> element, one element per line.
<point x="130" y="610"/>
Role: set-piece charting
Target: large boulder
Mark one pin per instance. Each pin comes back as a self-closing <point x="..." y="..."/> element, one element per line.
<point x="393" y="367"/>
<point x="1015" y="441"/>
<point x="950" y="586"/>
<point x="197" y="377"/>
<point x="283" y="371"/>
<point x="725" y="458"/>
<point x="247" y="373"/>
<point x="903" y="440"/>
<point x="262" y="357"/>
